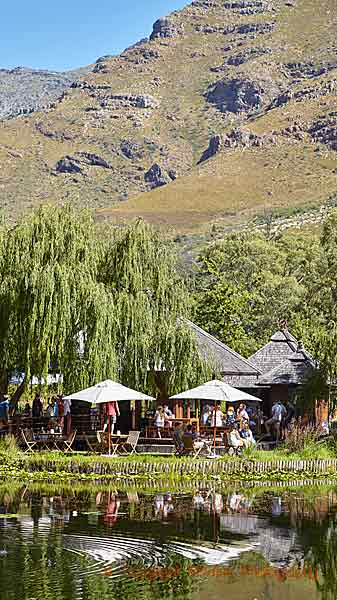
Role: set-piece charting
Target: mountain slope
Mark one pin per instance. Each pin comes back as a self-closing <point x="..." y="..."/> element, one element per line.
<point x="229" y="108"/>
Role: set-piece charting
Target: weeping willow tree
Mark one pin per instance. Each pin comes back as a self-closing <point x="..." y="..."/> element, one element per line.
<point x="54" y="311"/>
<point x="151" y="305"/>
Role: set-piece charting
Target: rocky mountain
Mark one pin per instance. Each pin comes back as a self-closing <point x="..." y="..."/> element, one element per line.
<point x="229" y="108"/>
<point x="24" y="90"/>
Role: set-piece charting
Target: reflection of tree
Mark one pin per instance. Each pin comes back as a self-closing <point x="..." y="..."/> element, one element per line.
<point x="319" y="541"/>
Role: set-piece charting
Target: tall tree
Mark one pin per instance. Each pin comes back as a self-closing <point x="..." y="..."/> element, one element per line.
<point x="152" y="304"/>
<point x="53" y="309"/>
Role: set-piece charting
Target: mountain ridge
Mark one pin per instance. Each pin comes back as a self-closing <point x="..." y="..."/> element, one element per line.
<point x="228" y="109"/>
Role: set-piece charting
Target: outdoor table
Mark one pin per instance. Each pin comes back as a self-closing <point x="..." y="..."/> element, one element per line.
<point x="48" y="441"/>
<point x="116" y="439"/>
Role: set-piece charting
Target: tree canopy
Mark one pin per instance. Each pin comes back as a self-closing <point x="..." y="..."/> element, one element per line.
<point x="248" y="284"/>
<point x="92" y="303"/>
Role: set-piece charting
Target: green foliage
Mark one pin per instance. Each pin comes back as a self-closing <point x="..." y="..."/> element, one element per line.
<point x="50" y="293"/>
<point x="92" y="303"/>
<point x="151" y="304"/>
<point x="248" y="284"/>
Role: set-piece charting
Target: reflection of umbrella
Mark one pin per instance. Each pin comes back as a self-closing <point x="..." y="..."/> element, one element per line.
<point x="216" y="391"/>
<point x="108" y="391"/>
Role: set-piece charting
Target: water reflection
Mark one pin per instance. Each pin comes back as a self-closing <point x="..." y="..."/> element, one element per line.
<point x="101" y="543"/>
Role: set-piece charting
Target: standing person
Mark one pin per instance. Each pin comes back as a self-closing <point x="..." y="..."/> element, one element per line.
<point x="67" y="416"/>
<point x="159" y="420"/>
<point x="277" y="413"/>
<point x="206" y="414"/>
<point x="290" y="416"/>
<point x="111" y="412"/>
<point x="217" y="416"/>
<point x="61" y="412"/>
<point x="242" y="414"/>
<point x="37" y="407"/>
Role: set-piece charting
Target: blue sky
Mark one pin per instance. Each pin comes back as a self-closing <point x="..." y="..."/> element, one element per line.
<point x="64" y="34"/>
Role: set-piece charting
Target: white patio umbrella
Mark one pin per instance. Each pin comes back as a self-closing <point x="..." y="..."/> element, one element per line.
<point x="108" y="391"/>
<point x="216" y="391"/>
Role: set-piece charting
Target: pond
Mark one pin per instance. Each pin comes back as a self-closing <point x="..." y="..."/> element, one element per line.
<point x="96" y="543"/>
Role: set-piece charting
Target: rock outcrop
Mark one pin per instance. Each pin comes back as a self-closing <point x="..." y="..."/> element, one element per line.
<point x="309" y="70"/>
<point x="236" y="95"/>
<point x="157" y="176"/>
<point x="237" y="138"/>
<point x="77" y="162"/>
<point x="131" y="150"/>
<point x="241" y="58"/>
<point x="165" y="27"/>
<point x="325" y="131"/>
<point x="129" y="100"/>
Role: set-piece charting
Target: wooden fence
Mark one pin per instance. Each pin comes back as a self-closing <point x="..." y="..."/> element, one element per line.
<point x="181" y="468"/>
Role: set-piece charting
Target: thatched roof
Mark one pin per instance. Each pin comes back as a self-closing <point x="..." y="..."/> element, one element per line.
<point x="226" y="360"/>
<point x="283" y="361"/>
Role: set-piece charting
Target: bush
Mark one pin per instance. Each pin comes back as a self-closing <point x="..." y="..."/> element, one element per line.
<point x="304" y="438"/>
<point x="8" y="445"/>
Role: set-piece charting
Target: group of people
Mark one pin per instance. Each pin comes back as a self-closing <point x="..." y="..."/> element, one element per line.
<point x="56" y="416"/>
<point x="281" y="419"/>
<point x="163" y="419"/>
<point x="214" y="416"/>
<point x="238" y="422"/>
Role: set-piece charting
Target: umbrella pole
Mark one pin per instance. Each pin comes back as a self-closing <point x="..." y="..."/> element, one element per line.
<point x="109" y="435"/>
<point x="214" y="432"/>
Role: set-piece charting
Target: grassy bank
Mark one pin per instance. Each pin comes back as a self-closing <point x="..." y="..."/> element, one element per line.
<point x="316" y="462"/>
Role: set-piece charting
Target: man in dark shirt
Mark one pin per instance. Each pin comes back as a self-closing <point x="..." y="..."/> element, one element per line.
<point x="178" y="437"/>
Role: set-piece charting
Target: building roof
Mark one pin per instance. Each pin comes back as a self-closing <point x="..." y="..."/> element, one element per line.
<point x="226" y="360"/>
<point x="283" y="361"/>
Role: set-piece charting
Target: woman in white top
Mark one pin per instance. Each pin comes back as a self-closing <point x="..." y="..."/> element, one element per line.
<point x="242" y="413"/>
<point x="159" y="420"/>
<point x="217" y="416"/>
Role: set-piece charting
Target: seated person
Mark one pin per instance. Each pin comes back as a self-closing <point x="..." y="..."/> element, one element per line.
<point x="168" y="416"/>
<point x="190" y="439"/>
<point x="230" y="416"/>
<point x="234" y="438"/>
<point x="178" y="437"/>
<point x="247" y="435"/>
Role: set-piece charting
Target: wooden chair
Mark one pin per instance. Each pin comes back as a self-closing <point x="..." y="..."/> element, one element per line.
<point x="103" y="440"/>
<point x="188" y="448"/>
<point x="68" y="442"/>
<point x="27" y="437"/>
<point x="130" y="445"/>
<point x="94" y="446"/>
